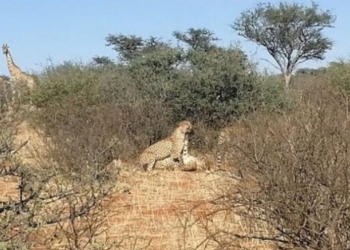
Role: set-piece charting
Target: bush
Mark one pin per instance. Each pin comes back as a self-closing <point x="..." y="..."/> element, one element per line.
<point x="339" y="75"/>
<point x="218" y="87"/>
<point x="83" y="108"/>
<point x="6" y="94"/>
<point x="66" y="82"/>
<point x="299" y="166"/>
<point x="12" y="95"/>
<point x="271" y="95"/>
<point x="47" y="199"/>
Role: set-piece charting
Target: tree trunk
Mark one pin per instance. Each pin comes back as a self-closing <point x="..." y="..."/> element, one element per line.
<point x="287" y="79"/>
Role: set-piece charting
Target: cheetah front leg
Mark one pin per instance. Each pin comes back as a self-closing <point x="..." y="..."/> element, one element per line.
<point x="150" y="166"/>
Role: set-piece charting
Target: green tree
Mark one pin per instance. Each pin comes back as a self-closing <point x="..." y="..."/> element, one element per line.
<point x="102" y="60"/>
<point x="131" y="47"/>
<point x="216" y="88"/>
<point x="155" y="70"/>
<point x="338" y="74"/>
<point x="291" y="33"/>
<point x="197" y="39"/>
<point x="127" y="47"/>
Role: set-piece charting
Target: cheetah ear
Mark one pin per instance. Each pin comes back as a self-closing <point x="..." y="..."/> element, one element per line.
<point x="190" y="125"/>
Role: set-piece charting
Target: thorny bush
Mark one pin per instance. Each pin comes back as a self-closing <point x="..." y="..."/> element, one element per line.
<point x="91" y="112"/>
<point x="298" y="164"/>
<point x="42" y="201"/>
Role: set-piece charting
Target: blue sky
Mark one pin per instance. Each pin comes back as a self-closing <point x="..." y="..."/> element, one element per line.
<point x="75" y="30"/>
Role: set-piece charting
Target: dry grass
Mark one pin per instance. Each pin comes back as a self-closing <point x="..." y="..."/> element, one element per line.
<point x="157" y="210"/>
<point x="162" y="210"/>
<point x="171" y="210"/>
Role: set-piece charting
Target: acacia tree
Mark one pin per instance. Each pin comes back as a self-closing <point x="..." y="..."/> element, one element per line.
<point x="291" y="33"/>
<point x="197" y="39"/>
<point x="127" y="47"/>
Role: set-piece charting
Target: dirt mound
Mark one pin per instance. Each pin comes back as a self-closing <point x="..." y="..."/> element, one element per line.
<point x="150" y="210"/>
<point x="31" y="142"/>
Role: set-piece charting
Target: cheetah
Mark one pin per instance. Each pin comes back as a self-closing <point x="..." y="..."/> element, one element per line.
<point x="169" y="163"/>
<point x="170" y="147"/>
<point x="189" y="162"/>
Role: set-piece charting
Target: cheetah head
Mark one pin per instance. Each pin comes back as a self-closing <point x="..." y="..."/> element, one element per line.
<point x="186" y="126"/>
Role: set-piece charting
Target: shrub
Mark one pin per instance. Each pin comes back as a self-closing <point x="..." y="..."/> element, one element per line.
<point x="44" y="200"/>
<point x="271" y="95"/>
<point x="339" y="75"/>
<point x="83" y="107"/>
<point x="299" y="166"/>
<point x="216" y="89"/>
<point x="66" y="82"/>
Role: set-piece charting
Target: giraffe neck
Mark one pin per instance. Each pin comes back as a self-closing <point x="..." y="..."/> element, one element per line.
<point x="13" y="68"/>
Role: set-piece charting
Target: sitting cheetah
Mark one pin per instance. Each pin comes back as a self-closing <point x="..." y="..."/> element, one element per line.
<point x="171" y="146"/>
<point x="169" y="163"/>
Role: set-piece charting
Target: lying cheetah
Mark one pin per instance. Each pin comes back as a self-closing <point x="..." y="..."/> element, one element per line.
<point x="169" y="163"/>
<point x="171" y="146"/>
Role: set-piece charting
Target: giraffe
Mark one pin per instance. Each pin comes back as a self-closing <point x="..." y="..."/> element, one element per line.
<point x="17" y="75"/>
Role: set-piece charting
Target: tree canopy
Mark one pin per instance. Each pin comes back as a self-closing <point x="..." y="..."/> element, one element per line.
<point x="290" y="32"/>
<point x="197" y="39"/>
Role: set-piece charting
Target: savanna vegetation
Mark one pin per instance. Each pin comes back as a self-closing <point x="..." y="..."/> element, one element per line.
<point x="293" y="153"/>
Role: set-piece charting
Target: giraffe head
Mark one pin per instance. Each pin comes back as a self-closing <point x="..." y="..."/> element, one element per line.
<point x="5" y="49"/>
